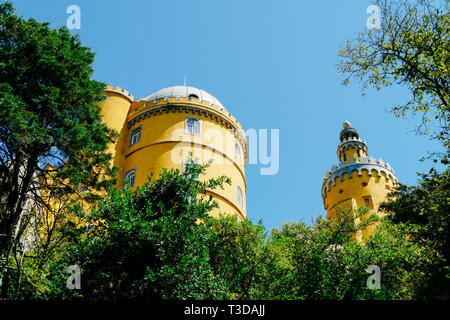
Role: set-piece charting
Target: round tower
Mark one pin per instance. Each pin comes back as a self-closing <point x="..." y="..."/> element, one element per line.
<point x="358" y="180"/>
<point x="114" y="110"/>
<point x="162" y="129"/>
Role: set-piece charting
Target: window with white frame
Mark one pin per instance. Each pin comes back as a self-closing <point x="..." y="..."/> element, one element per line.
<point x="193" y="126"/>
<point x="129" y="179"/>
<point x="239" y="196"/>
<point x="135" y="135"/>
<point x="237" y="152"/>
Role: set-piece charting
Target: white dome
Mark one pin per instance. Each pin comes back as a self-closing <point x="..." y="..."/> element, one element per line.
<point x="183" y="91"/>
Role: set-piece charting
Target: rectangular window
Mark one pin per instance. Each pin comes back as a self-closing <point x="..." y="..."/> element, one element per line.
<point x="368" y="202"/>
<point x="192" y="126"/>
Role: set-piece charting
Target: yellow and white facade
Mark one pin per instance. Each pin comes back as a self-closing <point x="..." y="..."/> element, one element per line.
<point x="357" y="180"/>
<point x="161" y="130"/>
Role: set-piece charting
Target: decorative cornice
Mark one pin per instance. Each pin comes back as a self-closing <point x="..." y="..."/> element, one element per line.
<point x="352" y="142"/>
<point x="143" y="104"/>
<point x="359" y="165"/>
<point x="148" y="111"/>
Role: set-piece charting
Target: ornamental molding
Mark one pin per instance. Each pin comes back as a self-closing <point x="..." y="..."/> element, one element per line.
<point x="360" y="164"/>
<point x="352" y="142"/>
<point x="193" y="109"/>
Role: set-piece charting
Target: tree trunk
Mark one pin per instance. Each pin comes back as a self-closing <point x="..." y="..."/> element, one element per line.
<point x="14" y="208"/>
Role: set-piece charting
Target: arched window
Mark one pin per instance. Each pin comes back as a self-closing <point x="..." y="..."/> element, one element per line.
<point x="129" y="179"/>
<point x="193" y="96"/>
<point x="193" y="126"/>
<point x="237" y="152"/>
<point x="135" y="135"/>
<point x="239" y="197"/>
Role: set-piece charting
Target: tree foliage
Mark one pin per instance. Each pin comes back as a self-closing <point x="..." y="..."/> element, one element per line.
<point x="146" y="244"/>
<point x="159" y="242"/>
<point x="52" y="139"/>
<point x="427" y="207"/>
<point x="237" y="255"/>
<point x="412" y="49"/>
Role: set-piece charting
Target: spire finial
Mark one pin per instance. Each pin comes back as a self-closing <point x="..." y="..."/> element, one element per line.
<point x="346" y="124"/>
<point x="185" y="80"/>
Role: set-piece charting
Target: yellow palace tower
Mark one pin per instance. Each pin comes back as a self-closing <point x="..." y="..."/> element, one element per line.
<point x="161" y="130"/>
<point x="358" y="180"/>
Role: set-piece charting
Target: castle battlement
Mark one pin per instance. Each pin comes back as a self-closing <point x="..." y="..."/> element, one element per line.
<point x="352" y="142"/>
<point x="368" y="164"/>
<point x="121" y="91"/>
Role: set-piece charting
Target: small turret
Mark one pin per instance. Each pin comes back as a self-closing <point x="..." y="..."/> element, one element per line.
<point x="350" y="146"/>
<point x="118" y="90"/>
<point x="357" y="180"/>
<point x="114" y="112"/>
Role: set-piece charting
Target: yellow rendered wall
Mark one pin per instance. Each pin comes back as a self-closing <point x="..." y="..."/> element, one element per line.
<point x="114" y="111"/>
<point x="352" y="188"/>
<point x="351" y="152"/>
<point x="164" y="144"/>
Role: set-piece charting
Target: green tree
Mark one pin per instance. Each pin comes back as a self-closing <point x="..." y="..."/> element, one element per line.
<point x="145" y="244"/>
<point x="237" y="255"/>
<point x="427" y="206"/>
<point x="325" y="262"/>
<point x="51" y="132"/>
<point x="160" y="243"/>
<point x="412" y="49"/>
<point x="47" y="236"/>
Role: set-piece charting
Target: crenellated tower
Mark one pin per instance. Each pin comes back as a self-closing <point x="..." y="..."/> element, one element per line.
<point x="114" y="111"/>
<point x="358" y="180"/>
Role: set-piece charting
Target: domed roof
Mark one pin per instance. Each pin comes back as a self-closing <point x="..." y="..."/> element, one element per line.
<point x="348" y="131"/>
<point x="183" y="91"/>
<point x="347" y="124"/>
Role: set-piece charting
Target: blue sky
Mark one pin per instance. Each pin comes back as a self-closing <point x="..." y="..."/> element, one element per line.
<point x="271" y="63"/>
